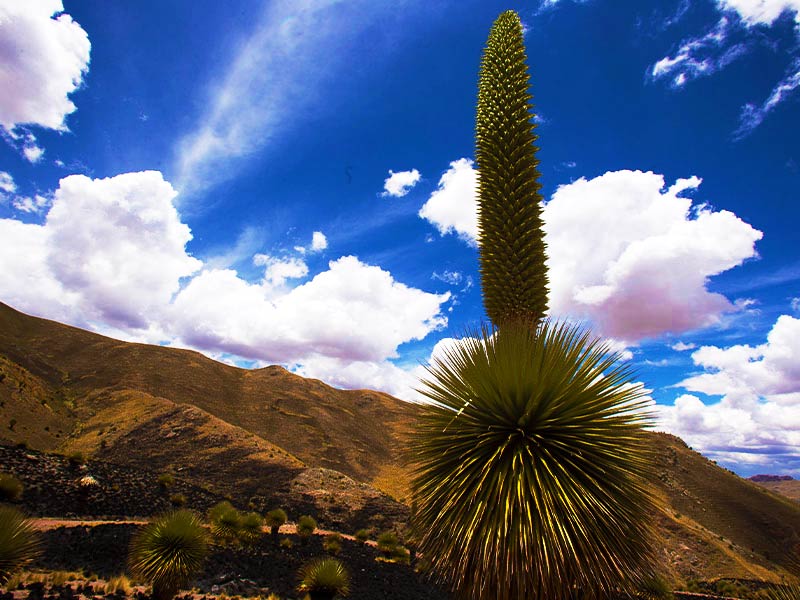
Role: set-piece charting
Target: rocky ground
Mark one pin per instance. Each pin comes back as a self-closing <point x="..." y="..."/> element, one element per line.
<point x="52" y="487"/>
<point x="263" y="569"/>
<point x="121" y="492"/>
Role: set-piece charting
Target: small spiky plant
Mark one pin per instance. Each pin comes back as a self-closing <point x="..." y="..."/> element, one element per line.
<point x="274" y="519"/>
<point x="324" y="579"/>
<point x="511" y="242"/>
<point x="531" y="468"/>
<point x="10" y="488"/>
<point x="169" y="552"/>
<point x="387" y="542"/>
<point x="332" y="544"/>
<point x="225" y="522"/>
<point x="19" y="542"/>
<point x="306" y="525"/>
<point x="362" y="535"/>
<point x="250" y="528"/>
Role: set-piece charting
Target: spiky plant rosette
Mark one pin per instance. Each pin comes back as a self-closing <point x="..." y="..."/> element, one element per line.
<point x="19" y="542"/>
<point x="532" y="458"/>
<point x="325" y="575"/>
<point x="275" y="518"/>
<point x="250" y="528"/>
<point x="785" y="592"/>
<point x="169" y="552"/>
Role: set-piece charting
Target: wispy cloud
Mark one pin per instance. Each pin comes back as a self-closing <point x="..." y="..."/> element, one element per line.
<point x="742" y="25"/>
<point x="780" y="276"/>
<point x="699" y="57"/>
<point x="752" y="116"/>
<point x="296" y="47"/>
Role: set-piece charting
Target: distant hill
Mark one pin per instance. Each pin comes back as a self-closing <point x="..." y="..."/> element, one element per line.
<point x="784" y="485"/>
<point x="267" y="436"/>
<point x="241" y="433"/>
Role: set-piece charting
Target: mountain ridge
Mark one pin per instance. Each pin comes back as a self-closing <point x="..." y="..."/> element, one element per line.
<point x="267" y="436"/>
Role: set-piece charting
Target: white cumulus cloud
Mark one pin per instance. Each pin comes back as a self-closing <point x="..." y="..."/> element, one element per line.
<point x="635" y="259"/>
<point x="32" y="152"/>
<point x="7" y="184"/>
<point x="110" y="250"/>
<point x="743" y="373"/>
<point x="278" y="270"/>
<point x="119" y="244"/>
<point x="400" y="183"/>
<point x="763" y="12"/>
<point x="624" y="251"/>
<point x="318" y="241"/>
<point x="452" y="208"/>
<point x="683" y="347"/>
<point x="376" y="375"/>
<point x="757" y="420"/>
<point x="352" y="311"/>
<point x="30" y="205"/>
<point x="43" y="57"/>
<point x="111" y="256"/>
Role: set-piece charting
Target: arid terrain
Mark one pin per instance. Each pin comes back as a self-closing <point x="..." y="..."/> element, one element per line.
<point x="267" y="438"/>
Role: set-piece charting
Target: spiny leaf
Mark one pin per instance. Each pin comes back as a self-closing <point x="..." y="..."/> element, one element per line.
<point x="531" y="467"/>
<point x="168" y="552"/>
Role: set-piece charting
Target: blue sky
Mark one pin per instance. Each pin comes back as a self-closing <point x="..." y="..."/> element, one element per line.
<point x="292" y="182"/>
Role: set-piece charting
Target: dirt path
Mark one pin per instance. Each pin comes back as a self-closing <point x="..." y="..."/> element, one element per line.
<point x="46" y="524"/>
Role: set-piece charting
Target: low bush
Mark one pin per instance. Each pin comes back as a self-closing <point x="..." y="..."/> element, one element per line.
<point x="19" y="542"/>
<point x="655" y="588"/>
<point x="287" y="543"/>
<point x="76" y="459"/>
<point x="218" y="509"/>
<point x="387" y="543"/>
<point x="10" y="488"/>
<point x="177" y="500"/>
<point x="169" y="552"/>
<point x="166" y="481"/>
<point x="400" y="554"/>
<point x="332" y="544"/>
<point x="306" y="525"/>
<point x="119" y="583"/>
<point x="362" y="535"/>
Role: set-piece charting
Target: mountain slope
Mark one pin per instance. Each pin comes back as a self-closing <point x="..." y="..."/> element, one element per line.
<point x="743" y="527"/>
<point x="267" y="436"/>
<point x="355" y="432"/>
<point x="785" y="487"/>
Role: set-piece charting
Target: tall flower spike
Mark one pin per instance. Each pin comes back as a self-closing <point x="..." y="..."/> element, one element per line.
<point x="511" y="240"/>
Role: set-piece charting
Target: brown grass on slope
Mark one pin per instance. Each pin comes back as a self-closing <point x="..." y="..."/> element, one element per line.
<point x="162" y="406"/>
<point x="355" y="432"/>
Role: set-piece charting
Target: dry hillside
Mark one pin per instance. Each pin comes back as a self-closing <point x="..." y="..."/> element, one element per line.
<point x="269" y="435"/>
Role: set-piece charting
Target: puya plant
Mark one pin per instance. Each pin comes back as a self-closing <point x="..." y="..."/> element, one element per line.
<point x="225" y="523"/>
<point x="169" y="552"/>
<point x="324" y="579"/>
<point x="530" y="464"/>
<point x="19" y="542"/>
